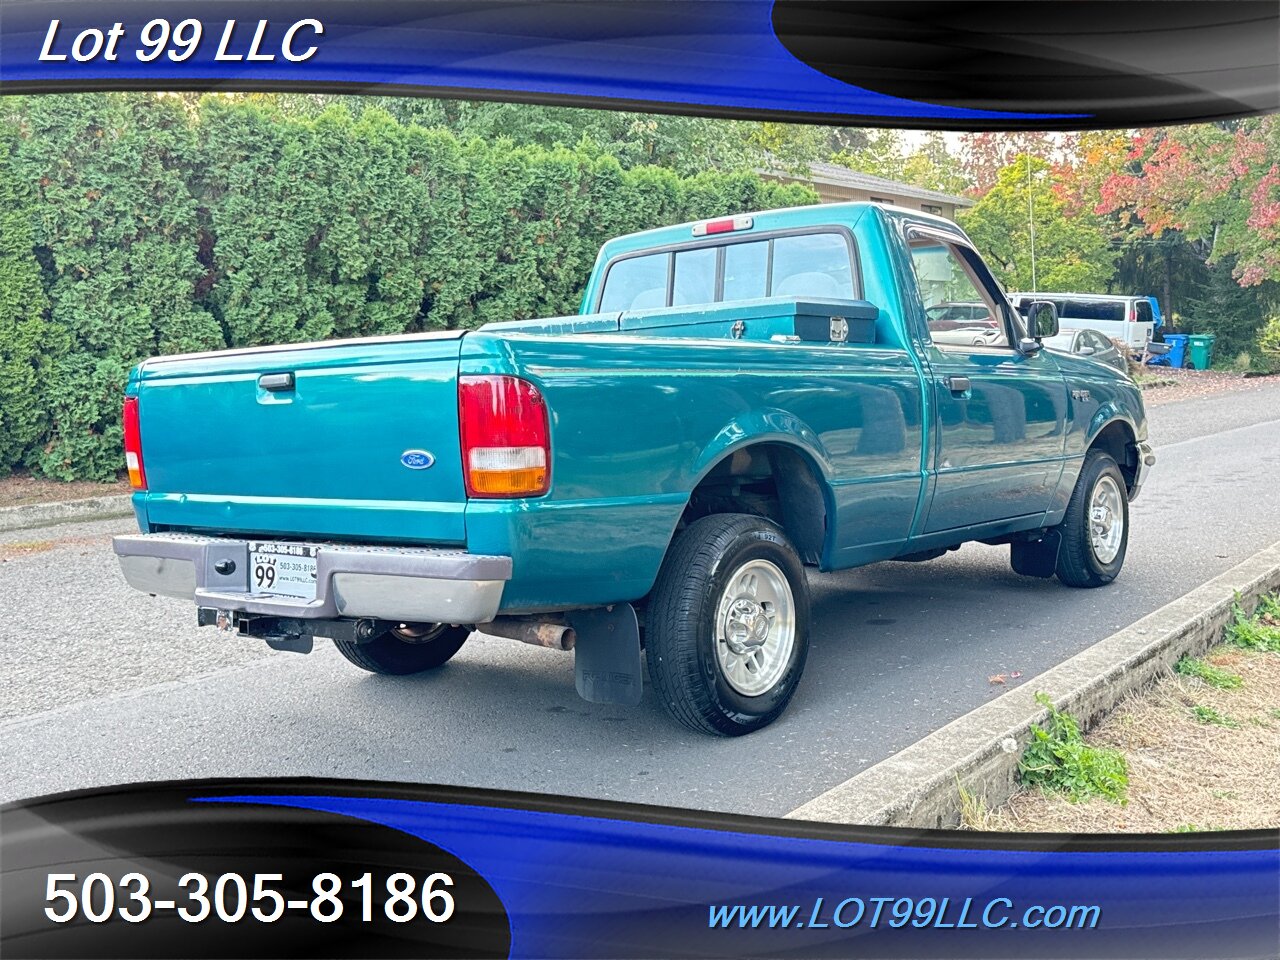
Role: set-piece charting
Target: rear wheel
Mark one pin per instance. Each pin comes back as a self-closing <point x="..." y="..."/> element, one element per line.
<point x="727" y="625"/>
<point x="1095" y="531"/>
<point x="408" y="648"/>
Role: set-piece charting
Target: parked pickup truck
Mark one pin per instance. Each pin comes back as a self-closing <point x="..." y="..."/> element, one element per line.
<point x="740" y="399"/>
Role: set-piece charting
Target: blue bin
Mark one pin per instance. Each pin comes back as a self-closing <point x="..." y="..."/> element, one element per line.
<point x="1177" y="349"/>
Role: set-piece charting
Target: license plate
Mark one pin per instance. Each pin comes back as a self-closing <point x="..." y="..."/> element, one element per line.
<point x="283" y="569"/>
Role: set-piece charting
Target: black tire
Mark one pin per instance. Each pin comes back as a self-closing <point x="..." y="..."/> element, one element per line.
<point x="1078" y="563"/>
<point x="680" y="627"/>
<point x="413" y="649"/>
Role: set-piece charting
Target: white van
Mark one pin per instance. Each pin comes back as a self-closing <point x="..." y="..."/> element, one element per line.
<point x="1128" y="319"/>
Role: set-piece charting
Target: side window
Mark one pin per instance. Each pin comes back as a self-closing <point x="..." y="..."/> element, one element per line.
<point x="812" y="265"/>
<point x="1143" y="308"/>
<point x="746" y="270"/>
<point x="637" y="283"/>
<point x="943" y="276"/>
<point x="1097" y="311"/>
<point x="695" y="280"/>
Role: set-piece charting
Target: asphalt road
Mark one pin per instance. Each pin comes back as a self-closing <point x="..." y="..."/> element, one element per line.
<point x="103" y="685"/>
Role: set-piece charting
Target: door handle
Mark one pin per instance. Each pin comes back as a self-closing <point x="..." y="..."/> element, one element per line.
<point x="956" y="384"/>
<point x="276" y="382"/>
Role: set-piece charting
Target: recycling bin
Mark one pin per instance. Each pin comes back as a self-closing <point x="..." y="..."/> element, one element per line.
<point x="1200" y="349"/>
<point x="1177" y="349"/>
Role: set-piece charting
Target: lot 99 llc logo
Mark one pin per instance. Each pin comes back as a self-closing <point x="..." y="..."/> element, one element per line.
<point x="181" y="41"/>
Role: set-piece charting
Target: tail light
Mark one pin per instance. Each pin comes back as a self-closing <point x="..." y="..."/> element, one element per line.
<point x="133" y="445"/>
<point x="506" y="443"/>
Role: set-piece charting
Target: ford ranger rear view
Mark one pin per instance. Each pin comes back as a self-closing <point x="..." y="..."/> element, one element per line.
<point x="646" y="483"/>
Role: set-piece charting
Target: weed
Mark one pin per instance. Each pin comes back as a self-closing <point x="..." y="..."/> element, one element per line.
<point x="1057" y="758"/>
<point x="1274" y="714"/>
<point x="1259" y="632"/>
<point x="1207" y="672"/>
<point x="1212" y="716"/>
<point x="973" y="809"/>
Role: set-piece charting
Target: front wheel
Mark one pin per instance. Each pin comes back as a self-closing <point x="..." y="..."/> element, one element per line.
<point x="1095" y="530"/>
<point x="408" y="648"/>
<point x="727" y="625"/>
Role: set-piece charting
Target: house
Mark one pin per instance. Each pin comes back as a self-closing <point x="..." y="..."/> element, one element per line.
<point x="837" y="184"/>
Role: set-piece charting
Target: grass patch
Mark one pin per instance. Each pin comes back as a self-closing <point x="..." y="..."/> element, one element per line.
<point x="1212" y="716"/>
<point x="1058" y="759"/>
<point x="1208" y="673"/>
<point x="973" y="811"/>
<point x="1185" y="771"/>
<point x="1260" y="631"/>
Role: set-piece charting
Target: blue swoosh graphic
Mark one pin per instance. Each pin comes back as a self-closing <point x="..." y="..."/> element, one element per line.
<point x="581" y="886"/>
<point x="721" y="54"/>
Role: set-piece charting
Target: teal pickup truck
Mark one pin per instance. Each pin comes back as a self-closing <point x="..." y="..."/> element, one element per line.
<point x="739" y="399"/>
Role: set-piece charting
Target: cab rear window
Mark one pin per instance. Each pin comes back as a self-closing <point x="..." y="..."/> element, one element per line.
<point x="817" y="264"/>
<point x="636" y="283"/>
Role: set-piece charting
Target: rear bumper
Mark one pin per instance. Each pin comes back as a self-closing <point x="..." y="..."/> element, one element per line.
<point x="1146" y="460"/>
<point x="422" y="585"/>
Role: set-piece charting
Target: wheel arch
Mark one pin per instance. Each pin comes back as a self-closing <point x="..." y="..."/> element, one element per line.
<point x="773" y="476"/>
<point x="1118" y="438"/>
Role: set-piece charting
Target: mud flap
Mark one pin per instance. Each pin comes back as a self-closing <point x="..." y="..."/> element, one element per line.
<point x="606" y="661"/>
<point x="1039" y="559"/>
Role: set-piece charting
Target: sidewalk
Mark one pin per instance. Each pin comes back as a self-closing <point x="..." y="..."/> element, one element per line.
<point x="27" y="501"/>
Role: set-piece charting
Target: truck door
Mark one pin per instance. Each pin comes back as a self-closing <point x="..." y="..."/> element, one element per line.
<point x="1000" y="415"/>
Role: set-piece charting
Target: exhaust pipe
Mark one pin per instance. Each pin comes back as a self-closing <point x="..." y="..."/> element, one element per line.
<point x="540" y="633"/>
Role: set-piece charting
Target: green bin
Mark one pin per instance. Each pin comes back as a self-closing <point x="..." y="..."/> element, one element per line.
<point x="1200" y="349"/>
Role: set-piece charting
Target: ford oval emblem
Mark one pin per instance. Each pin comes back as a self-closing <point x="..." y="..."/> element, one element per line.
<point x="417" y="459"/>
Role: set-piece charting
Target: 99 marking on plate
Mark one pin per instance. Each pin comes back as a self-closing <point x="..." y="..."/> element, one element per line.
<point x="231" y="898"/>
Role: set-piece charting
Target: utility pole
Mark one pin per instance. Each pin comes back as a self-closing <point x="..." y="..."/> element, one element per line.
<point x="1031" y="223"/>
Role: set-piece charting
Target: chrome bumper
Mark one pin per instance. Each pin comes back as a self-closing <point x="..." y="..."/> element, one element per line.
<point x="421" y="585"/>
<point x="1146" y="458"/>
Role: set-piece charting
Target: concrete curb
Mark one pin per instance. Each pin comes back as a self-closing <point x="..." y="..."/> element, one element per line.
<point x="65" y="511"/>
<point x="979" y="752"/>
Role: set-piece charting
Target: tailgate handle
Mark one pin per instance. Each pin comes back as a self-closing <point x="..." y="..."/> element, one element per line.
<point x="276" y="381"/>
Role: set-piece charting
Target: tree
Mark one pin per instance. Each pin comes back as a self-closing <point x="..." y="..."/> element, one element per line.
<point x="984" y="155"/>
<point x="1212" y="192"/>
<point x="24" y="334"/>
<point x="934" y="167"/>
<point x="1233" y="314"/>
<point x="931" y="165"/>
<point x="1022" y="213"/>
<point x="115" y="228"/>
<point x="1219" y="183"/>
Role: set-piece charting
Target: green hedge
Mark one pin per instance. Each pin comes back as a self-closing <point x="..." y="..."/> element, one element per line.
<point x="140" y="224"/>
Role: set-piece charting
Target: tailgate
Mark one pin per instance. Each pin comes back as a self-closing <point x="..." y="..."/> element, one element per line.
<point x="357" y="440"/>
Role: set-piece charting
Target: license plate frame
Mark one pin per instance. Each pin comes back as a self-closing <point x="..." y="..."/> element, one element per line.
<point x="281" y="569"/>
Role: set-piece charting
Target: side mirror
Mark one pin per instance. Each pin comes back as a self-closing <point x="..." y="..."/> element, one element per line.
<point x="1086" y="351"/>
<point x="1042" y="320"/>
